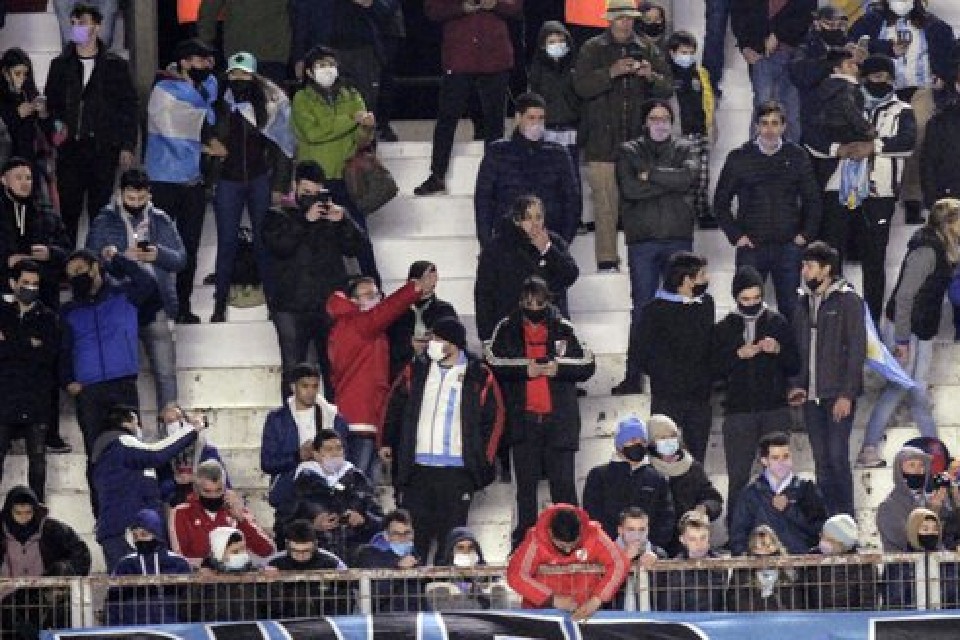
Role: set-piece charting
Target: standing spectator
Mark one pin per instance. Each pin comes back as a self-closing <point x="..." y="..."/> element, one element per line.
<point x="768" y="588"/>
<point x="22" y="109"/>
<point x="564" y="534"/>
<point x="288" y="435"/>
<point x="147" y="236"/>
<point x="551" y="76"/>
<point x="29" y="340"/>
<point x="253" y="124"/>
<point x="124" y="478"/>
<point x="476" y="57"/>
<point x="778" y="204"/>
<point x="840" y="587"/>
<point x="767" y="32"/>
<point x="527" y="164"/>
<point x="393" y="31"/>
<point x="313" y="598"/>
<point x="307" y="243"/>
<point x="630" y="481"/>
<point x="689" y="484"/>
<point x="911" y="473"/>
<point x="443" y="422"/>
<point x="521" y="248"/>
<point x="829" y="325"/>
<point x="410" y="334"/>
<point x="673" y="343"/>
<point x="90" y="93"/>
<point x="755" y="352"/>
<point x="940" y="174"/>
<point x="178" y="114"/>
<point x="919" y="43"/>
<point x="261" y="27"/>
<point x="717" y="15"/>
<point x="655" y="175"/>
<point x="791" y="506"/>
<point x="652" y="26"/>
<point x="913" y="317"/>
<point x="65" y="10"/>
<point x="616" y="72"/>
<point x="360" y="358"/>
<point x="695" y="589"/>
<point x="538" y="358"/>
<point x="393" y="548"/>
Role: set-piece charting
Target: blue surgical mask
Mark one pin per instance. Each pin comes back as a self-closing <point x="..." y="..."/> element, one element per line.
<point x="401" y="548"/>
<point x="685" y="60"/>
<point x="557" y="50"/>
<point x="668" y="447"/>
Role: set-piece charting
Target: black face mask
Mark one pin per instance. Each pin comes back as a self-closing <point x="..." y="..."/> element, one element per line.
<point x="242" y="90"/>
<point x="654" y="29"/>
<point x="700" y="288"/>
<point x="929" y="541"/>
<point x="146" y="546"/>
<point x="878" y="89"/>
<point x="750" y="309"/>
<point x="22" y="532"/>
<point x="834" y="37"/>
<point x="27" y="295"/>
<point x="135" y="211"/>
<point x="813" y="284"/>
<point x="199" y="75"/>
<point x="915" y="481"/>
<point x="82" y="285"/>
<point x="635" y="452"/>
<point x="211" y="504"/>
<point x="535" y="316"/>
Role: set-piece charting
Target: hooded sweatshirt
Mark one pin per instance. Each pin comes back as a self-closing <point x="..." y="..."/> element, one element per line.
<point x="553" y="78"/>
<point x="900" y="502"/>
<point x="914" y="520"/>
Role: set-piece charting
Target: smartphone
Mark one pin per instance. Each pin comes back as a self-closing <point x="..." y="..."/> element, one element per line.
<point x="143" y="245"/>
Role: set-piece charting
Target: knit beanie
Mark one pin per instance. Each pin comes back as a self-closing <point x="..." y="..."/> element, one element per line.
<point x="842" y="528"/>
<point x="745" y="278"/>
<point x="629" y="429"/>
<point x="451" y="330"/>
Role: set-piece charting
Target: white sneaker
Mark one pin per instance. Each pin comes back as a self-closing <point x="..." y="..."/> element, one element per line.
<point x="869" y="457"/>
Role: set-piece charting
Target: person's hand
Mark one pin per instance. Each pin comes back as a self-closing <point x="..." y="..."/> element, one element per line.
<point x="127" y="160"/>
<point x="631" y="550"/>
<point x="36" y="343"/>
<point x="40" y="104"/>
<point x="26" y="109"/>
<point x="769" y="345"/>
<point x="938" y="498"/>
<point x="751" y="56"/>
<point x="488" y="5"/>
<point x="900" y="49"/>
<point x="365" y="118"/>
<point x="40" y="252"/>
<point x="643" y="176"/>
<point x="643" y="69"/>
<point x="334" y="213"/>
<point x="386" y="454"/>
<point x="780" y="502"/>
<point x="471" y="6"/>
<point x="550" y="369"/>
<point x="841" y="408"/>
<point x="363" y="3"/>
<point x="276" y="199"/>
<point x="748" y="351"/>
<point x="427" y="282"/>
<point x="534" y="370"/>
<point x="306" y="451"/>
<point x="859" y="53"/>
<point x="902" y="353"/>
<point x="587" y="609"/>
<point x="938" y="83"/>
<point x="564" y="603"/>
<point x="74" y="389"/>
<point x="13" y="259"/>
<point x="215" y="148"/>
<point x="149" y="254"/>
<point x="407" y="562"/>
<point x="317" y="211"/>
<point x="799" y="240"/>
<point x="271" y="573"/>
<point x="354" y="519"/>
<point x="861" y="149"/>
<point x="622" y="67"/>
<point x="234" y="503"/>
<point x="327" y="521"/>
<point x="771" y="43"/>
<point x="745" y="243"/>
<point x="796" y="397"/>
<point x="647" y="560"/>
<point x="108" y="252"/>
<point x="540" y="238"/>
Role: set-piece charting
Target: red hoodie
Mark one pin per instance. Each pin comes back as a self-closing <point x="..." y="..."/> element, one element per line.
<point x="537" y="550"/>
<point x="359" y="354"/>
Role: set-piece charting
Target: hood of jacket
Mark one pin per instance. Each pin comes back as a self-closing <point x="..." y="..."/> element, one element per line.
<point x="549" y="28"/>
<point x="22" y="495"/>
<point x="219" y="539"/>
<point x="916" y="517"/>
<point x="458" y="534"/>
<point x="151" y="521"/>
<point x="909" y="453"/>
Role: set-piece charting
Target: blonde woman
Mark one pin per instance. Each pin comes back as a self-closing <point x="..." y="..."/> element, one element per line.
<point x="912" y="320"/>
<point x="764" y="589"/>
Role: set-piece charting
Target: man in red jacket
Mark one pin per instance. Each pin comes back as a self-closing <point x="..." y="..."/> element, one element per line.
<point x="359" y="352"/>
<point x="564" y="535"/>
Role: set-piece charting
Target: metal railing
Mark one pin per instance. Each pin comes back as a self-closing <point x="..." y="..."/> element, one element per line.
<point x="859" y="582"/>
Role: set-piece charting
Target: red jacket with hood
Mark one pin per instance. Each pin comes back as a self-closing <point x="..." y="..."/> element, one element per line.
<point x="537" y="550"/>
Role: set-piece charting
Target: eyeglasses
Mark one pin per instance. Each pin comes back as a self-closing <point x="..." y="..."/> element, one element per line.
<point x="405" y="533"/>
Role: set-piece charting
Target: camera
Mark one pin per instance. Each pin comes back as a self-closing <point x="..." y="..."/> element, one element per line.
<point x="942" y="481"/>
<point x="636" y="52"/>
<point x="323" y="198"/>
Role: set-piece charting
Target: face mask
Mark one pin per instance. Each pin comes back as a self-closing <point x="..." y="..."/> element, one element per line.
<point x="878" y="89"/>
<point x="750" y="310"/>
<point x="435" y="350"/>
<point x="557" y="50"/>
<point x="241" y="89"/>
<point x="813" y="284"/>
<point x="28" y="295"/>
<point x="834" y="37"/>
<point x="332" y="465"/>
<point x="211" y="504"/>
<point x="82" y="285"/>
<point x="535" y="316"/>
<point x="915" y="481"/>
<point x="465" y="560"/>
<point x="654" y="29"/>
<point x="199" y="76"/>
<point x="401" y="548"/>
<point x="325" y="76"/>
<point x="660" y="131"/>
<point x="174" y="428"/>
<point x="80" y="33"/>
<point x="146" y="546"/>
<point x="668" y="447"/>
<point x="781" y="468"/>
<point x="826" y="547"/>
<point x="135" y="211"/>
<point x="901" y="7"/>
<point x="697" y="553"/>
<point x="635" y="452"/>
<point x="367" y="304"/>
<point x="700" y="288"/>
<point x="929" y="541"/>
<point x="533" y="132"/>
<point x="684" y="60"/>
<point x="237" y="561"/>
<point x="631" y="537"/>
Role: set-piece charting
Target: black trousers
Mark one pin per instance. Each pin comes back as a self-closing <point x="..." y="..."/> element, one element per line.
<point x="693" y="418"/>
<point x="455" y="91"/>
<point x="295" y="332"/>
<point x="36" y="440"/>
<point x="871" y="228"/>
<point x="85" y="174"/>
<point x="741" y="438"/>
<point x="438" y="499"/>
<point x="534" y="457"/>
<point x="186" y="204"/>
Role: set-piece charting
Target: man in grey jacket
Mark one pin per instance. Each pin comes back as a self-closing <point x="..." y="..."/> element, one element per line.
<point x="911" y="470"/>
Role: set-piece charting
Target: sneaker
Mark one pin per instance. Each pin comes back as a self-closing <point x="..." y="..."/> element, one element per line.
<point x="608" y="267"/>
<point x="627" y="388"/>
<point x="58" y="446"/>
<point x="584" y="228"/>
<point x="210" y="279"/>
<point x="431" y="186"/>
<point x="869" y="457"/>
<point x="185" y="317"/>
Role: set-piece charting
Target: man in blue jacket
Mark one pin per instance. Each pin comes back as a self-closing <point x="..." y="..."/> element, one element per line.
<point x="125" y="477"/>
<point x="145" y="234"/>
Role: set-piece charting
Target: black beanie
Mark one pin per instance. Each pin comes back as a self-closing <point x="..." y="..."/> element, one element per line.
<point x="450" y="329"/>
<point x="878" y="62"/>
<point x="745" y="278"/>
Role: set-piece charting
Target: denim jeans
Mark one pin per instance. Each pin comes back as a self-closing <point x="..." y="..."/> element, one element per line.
<point x="362" y="452"/>
<point x="109" y="9"/>
<point x="782" y="263"/>
<point x="830" y="445"/>
<point x="646" y="260"/>
<point x="771" y="81"/>
<point x="158" y="342"/>
<point x="918" y="368"/>
<point x="229" y="200"/>
<point x="714" y="41"/>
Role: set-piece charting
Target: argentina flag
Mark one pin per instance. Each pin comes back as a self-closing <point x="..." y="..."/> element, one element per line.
<point x="880" y="359"/>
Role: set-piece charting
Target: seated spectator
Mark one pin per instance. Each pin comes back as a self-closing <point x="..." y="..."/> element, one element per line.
<point x="689" y="485"/>
<point x="630" y="481"/>
<point x="565" y="535"/>
<point x="337" y="497"/>
<point x="766" y="589"/>
<point x="211" y="506"/>
<point x="840" y="587"/>
<point x="392" y="548"/>
<point x="309" y="598"/>
<point x="410" y="333"/>
<point x="462" y="550"/>
<point x="230" y="601"/>
<point x="695" y="589"/>
<point x="147" y="605"/>
<point x="633" y="539"/>
<point x="32" y="545"/>
<point x="791" y="506"/>
<point x="911" y="473"/>
<point x="177" y="478"/>
<point x="923" y="530"/>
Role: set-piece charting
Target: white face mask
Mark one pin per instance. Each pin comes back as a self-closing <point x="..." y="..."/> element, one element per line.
<point x="532" y="132"/>
<point x="367" y="304"/>
<point x="173" y="428"/>
<point x="668" y="447"/>
<point x="332" y="465"/>
<point x="237" y="561"/>
<point x="435" y="351"/>
<point x="465" y="560"/>
<point x="325" y="76"/>
<point x="684" y="60"/>
<point x="901" y="7"/>
<point x="557" y="50"/>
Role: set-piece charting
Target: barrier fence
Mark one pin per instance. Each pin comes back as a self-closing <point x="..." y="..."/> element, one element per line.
<point x="851" y="583"/>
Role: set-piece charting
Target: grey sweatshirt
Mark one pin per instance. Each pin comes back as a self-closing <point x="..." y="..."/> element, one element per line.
<point x="896" y="507"/>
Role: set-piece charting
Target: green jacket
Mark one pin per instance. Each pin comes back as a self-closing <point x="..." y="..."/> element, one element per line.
<point x="261" y="27"/>
<point x="326" y="130"/>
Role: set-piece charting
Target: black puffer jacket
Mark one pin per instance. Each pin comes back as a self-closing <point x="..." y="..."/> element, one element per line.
<point x="28" y="369"/>
<point x="308" y="258"/>
<point x="553" y="79"/>
<point x="939" y="169"/>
